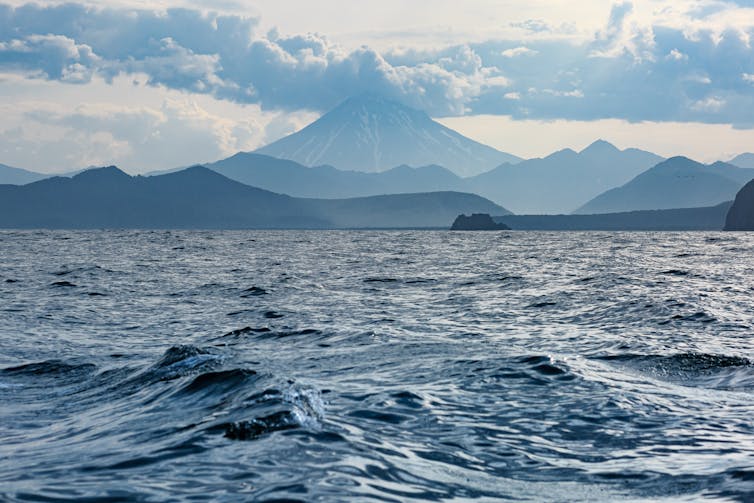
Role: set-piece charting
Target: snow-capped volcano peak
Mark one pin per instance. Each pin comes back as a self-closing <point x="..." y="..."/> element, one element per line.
<point x="371" y="133"/>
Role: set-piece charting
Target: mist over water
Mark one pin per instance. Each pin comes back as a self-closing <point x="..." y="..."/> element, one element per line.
<point x="376" y="365"/>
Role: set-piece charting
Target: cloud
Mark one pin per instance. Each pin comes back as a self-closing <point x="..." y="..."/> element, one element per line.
<point x="541" y="26"/>
<point x="179" y="68"/>
<point x="670" y="66"/>
<point x="518" y="51"/>
<point x="51" y="56"/>
<point x="709" y="104"/>
<point x="225" y="57"/>
<point x="623" y="35"/>
<point x="140" y="138"/>
<point x="676" y="55"/>
<point x="149" y="129"/>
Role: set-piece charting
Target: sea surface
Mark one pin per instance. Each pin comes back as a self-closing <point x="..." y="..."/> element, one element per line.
<point x="376" y="366"/>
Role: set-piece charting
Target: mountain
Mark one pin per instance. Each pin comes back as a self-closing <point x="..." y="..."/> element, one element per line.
<point x="684" y="219"/>
<point x="290" y="177"/>
<point x="741" y="214"/>
<point x="198" y="197"/>
<point x="743" y="161"/>
<point x="17" y="176"/>
<point x="676" y="183"/>
<point x="369" y="133"/>
<point x="563" y="181"/>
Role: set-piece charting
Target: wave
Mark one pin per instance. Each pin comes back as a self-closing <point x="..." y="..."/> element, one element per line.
<point x="63" y="284"/>
<point x="254" y="291"/>
<point x="303" y="407"/>
<point x="89" y="270"/>
<point x="268" y="333"/>
<point x="179" y="361"/>
<point x="224" y="380"/>
<point x="54" y="368"/>
<point x="692" y="369"/>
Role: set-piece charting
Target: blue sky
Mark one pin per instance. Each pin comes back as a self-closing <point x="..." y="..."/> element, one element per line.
<point x="150" y="85"/>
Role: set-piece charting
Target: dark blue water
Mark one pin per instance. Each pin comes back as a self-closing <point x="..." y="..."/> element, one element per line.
<point x="387" y="366"/>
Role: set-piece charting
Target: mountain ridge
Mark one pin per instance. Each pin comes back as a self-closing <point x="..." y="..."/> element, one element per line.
<point x="563" y="180"/>
<point x="678" y="182"/>
<point x="745" y="160"/>
<point x="17" y="176"/>
<point x="327" y="182"/>
<point x="198" y="197"/>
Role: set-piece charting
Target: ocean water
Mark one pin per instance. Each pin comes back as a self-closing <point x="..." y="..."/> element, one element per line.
<point x="384" y="366"/>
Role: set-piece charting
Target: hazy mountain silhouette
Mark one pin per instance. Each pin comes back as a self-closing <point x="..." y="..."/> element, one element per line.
<point x="676" y="183"/>
<point x="562" y="181"/>
<point x="17" y="176"/>
<point x="741" y="214"/>
<point x="290" y="177"/>
<point x="369" y="133"/>
<point x="743" y="161"/>
<point x="683" y="219"/>
<point x="198" y="197"/>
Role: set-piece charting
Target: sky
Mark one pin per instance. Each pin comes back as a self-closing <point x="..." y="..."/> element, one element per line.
<point x="151" y="85"/>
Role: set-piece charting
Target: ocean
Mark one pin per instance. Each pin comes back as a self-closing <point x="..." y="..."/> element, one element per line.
<point x="376" y="366"/>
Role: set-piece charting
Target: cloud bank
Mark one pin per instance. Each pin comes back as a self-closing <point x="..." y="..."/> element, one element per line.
<point x="699" y="70"/>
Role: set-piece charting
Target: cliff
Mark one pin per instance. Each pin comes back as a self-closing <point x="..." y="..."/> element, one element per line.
<point x="741" y="214"/>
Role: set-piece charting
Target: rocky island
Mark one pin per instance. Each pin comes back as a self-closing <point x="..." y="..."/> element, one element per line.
<point x="477" y="222"/>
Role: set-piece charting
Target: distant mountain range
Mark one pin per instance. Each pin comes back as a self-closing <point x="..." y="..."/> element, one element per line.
<point x="198" y="197"/>
<point x="370" y="146"/>
<point x="292" y="178"/>
<point x="369" y="133"/>
<point x="17" y="176"/>
<point x="557" y="184"/>
<point x="678" y="182"/>
<point x="684" y="219"/>
<point x="743" y="161"/>
<point x="563" y="181"/>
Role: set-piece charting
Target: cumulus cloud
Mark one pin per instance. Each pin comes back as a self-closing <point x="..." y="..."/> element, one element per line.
<point x="633" y="68"/>
<point x="51" y="56"/>
<point x="225" y="57"/>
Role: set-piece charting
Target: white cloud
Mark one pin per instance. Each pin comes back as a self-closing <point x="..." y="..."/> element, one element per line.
<point x="518" y="51"/>
<point x="709" y="104"/>
<point x="624" y="34"/>
<point x="574" y="93"/>
<point x="748" y="77"/>
<point x="676" y="55"/>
